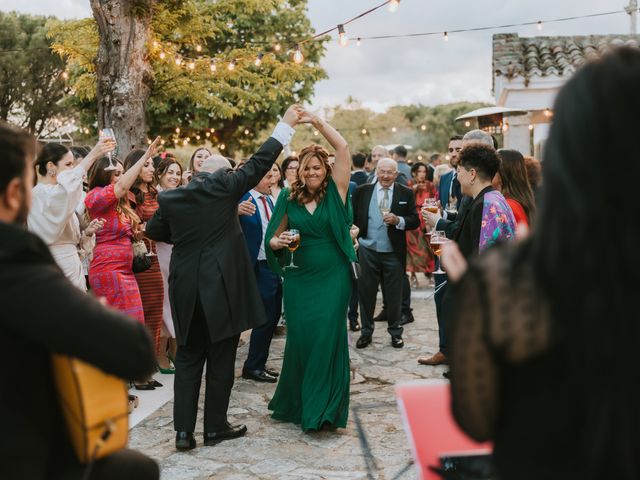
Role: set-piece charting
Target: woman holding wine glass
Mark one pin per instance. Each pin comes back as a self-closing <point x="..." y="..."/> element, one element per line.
<point x="312" y="219"/>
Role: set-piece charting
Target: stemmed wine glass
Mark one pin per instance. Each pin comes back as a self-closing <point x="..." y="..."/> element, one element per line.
<point x="385" y="206"/>
<point x="438" y="238"/>
<point x="293" y="245"/>
<point x="431" y="205"/>
<point x="107" y="133"/>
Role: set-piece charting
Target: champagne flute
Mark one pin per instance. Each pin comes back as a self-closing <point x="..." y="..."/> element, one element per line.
<point x="431" y="205"/>
<point x="438" y="238"/>
<point x="293" y="245"/>
<point x="107" y="133"/>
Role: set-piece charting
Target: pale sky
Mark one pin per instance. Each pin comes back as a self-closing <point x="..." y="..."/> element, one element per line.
<point x="424" y="70"/>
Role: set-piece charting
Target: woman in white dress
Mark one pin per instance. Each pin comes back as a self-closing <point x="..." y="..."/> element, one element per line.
<point x="56" y="197"/>
<point x="168" y="176"/>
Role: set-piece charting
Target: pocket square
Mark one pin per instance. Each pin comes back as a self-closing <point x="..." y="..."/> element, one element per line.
<point x="402" y="203"/>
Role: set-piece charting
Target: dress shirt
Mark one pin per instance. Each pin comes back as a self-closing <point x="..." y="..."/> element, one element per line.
<point x="380" y="196"/>
<point x="264" y="216"/>
<point x="283" y="133"/>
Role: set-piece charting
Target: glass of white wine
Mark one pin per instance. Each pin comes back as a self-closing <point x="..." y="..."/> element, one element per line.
<point x="107" y="133"/>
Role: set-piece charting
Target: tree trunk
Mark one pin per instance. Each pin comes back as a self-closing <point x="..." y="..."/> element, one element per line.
<point x="123" y="70"/>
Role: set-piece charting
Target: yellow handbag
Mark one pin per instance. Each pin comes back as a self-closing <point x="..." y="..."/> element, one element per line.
<point x="95" y="407"/>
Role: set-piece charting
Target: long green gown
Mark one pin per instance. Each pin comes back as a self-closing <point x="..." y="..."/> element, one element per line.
<point x="313" y="388"/>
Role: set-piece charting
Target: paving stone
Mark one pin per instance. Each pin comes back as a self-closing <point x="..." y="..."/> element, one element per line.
<point x="275" y="450"/>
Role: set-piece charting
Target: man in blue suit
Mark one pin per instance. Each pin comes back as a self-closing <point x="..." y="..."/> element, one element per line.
<point x="255" y="212"/>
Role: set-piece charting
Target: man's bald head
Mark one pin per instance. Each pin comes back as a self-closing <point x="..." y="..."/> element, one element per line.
<point x="213" y="163"/>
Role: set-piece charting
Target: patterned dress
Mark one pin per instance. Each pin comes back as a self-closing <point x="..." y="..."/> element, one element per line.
<point x="110" y="274"/>
<point x="150" y="281"/>
<point x="419" y="256"/>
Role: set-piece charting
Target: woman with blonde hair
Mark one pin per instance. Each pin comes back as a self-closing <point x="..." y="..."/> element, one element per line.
<point x="314" y="213"/>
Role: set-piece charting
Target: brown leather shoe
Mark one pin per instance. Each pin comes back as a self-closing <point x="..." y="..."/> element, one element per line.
<point x="437" y="359"/>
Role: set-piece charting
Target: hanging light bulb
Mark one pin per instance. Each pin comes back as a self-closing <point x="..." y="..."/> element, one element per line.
<point x="539" y="24"/>
<point x="207" y="134"/>
<point x="65" y="75"/>
<point x="530" y="127"/>
<point x="393" y="5"/>
<point x="212" y="67"/>
<point x="467" y="124"/>
<point x="394" y="129"/>
<point x="155" y="44"/>
<point x="192" y="65"/>
<point x="162" y="55"/>
<point x="232" y="65"/>
<point x="297" y="55"/>
<point x="423" y="127"/>
<point x="258" y="61"/>
<point x="198" y="48"/>
<point x="316" y="133"/>
<point x="177" y="129"/>
<point x="277" y="47"/>
<point x="446" y="37"/>
<point x="184" y="142"/>
<point x="343" y="40"/>
<point x="358" y="42"/>
<point x="162" y="142"/>
<point x="364" y="131"/>
<point x="178" y="61"/>
<point x="246" y="131"/>
<point x="222" y="146"/>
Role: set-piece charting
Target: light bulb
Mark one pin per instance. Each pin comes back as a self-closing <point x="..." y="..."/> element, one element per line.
<point x="393" y="5"/>
<point x="246" y="131"/>
<point x="539" y="24"/>
<point x="184" y="142"/>
<point x="530" y="127"/>
<point x="277" y="47"/>
<point x="162" y="142"/>
<point x="343" y="40"/>
<point x="178" y="61"/>
<point x="467" y="124"/>
<point x="423" y="127"/>
<point x="446" y="37"/>
<point x="222" y="146"/>
<point x="316" y="133"/>
<point x="197" y="137"/>
<point x="198" y="48"/>
<point x="358" y="42"/>
<point x="162" y="55"/>
<point x="420" y="158"/>
<point x="232" y="65"/>
<point x="297" y="55"/>
<point x="192" y="65"/>
<point x="177" y="129"/>
<point x="212" y="67"/>
<point x="394" y="129"/>
<point x="364" y="131"/>
<point x="65" y="75"/>
<point x="155" y="44"/>
<point x="258" y="61"/>
<point x="207" y="134"/>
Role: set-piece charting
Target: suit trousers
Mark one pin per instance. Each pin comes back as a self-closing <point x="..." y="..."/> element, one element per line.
<point x="220" y="357"/>
<point x="270" y="288"/>
<point x="440" y="313"/>
<point x="375" y="266"/>
<point x="406" y="296"/>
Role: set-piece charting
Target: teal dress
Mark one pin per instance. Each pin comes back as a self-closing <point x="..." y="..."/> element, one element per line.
<point x="313" y="388"/>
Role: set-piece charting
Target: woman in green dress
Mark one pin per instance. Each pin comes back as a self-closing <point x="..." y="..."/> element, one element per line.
<point x="313" y="388"/>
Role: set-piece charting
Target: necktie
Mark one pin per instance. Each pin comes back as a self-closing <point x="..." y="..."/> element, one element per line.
<point x="385" y="198"/>
<point x="266" y="206"/>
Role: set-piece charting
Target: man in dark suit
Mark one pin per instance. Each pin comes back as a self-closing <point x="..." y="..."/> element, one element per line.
<point x="383" y="211"/>
<point x="255" y="212"/>
<point x="358" y="175"/>
<point x="212" y="287"/>
<point x="44" y="313"/>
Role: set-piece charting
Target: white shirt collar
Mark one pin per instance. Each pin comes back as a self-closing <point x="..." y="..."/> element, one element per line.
<point x="379" y="188"/>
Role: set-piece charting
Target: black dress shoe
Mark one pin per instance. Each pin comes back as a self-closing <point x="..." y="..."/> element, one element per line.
<point x="232" y="431"/>
<point x="397" y="342"/>
<point x="354" y="326"/>
<point x="154" y="383"/>
<point x="143" y="386"/>
<point x="363" y="341"/>
<point x="271" y="372"/>
<point x="407" y="318"/>
<point x="381" y="317"/>
<point x="258" y="376"/>
<point x="185" y="441"/>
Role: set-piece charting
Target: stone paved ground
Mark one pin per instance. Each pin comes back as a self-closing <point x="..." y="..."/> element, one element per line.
<point x="273" y="450"/>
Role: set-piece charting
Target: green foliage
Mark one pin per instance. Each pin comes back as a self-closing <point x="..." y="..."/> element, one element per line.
<point x="31" y="83"/>
<point x="364" y="128"/>
<point x="248" y="98"/>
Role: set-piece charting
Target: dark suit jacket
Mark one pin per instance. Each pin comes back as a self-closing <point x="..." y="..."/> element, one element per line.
<point x="252" y="228"/>
<point x="403" y="204"/>
<point x="451" y="225"/>
<point x="360" y="178"/>
<point x="210" y="259"/>
<point x="42" y="313"/>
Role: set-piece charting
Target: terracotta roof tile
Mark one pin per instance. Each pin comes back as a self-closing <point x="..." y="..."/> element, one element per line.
<point x="527" y="57"/>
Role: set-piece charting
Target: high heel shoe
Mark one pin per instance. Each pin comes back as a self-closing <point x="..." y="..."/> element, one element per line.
<point x="167" y="371"/>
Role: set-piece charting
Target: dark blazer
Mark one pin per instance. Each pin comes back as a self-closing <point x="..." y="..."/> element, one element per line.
<point x="403" y="204"/>
<point x="252" y="228"/>
<point x="445" y="188"/>
<point x="360" y="178"/>
<point x="210" y="259"/>
<point x="42" y="313"/>
<point x="451" y="225"/>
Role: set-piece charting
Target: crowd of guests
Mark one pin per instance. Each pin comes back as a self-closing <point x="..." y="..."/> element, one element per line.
<point x="532" y="367"/>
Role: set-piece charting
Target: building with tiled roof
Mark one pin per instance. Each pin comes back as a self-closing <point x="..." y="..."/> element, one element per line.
<point x="529" y="71"/>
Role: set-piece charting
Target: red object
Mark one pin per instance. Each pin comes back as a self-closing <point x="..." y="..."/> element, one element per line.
<point x="426" y="411"/>
<point x="266" y="207"/>
<point x="518" y="212"/>
<point x="110" y="273"/>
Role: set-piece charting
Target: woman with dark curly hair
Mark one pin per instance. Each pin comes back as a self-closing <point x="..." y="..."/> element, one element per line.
<point x="313" y="389"/>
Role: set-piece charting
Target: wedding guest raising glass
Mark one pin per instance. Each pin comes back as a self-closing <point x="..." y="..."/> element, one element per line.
<point x="293" y="245"/>
<point x="431" y="205"/>
<point x="107" y="133"/>
<point x="451" y="207"/>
